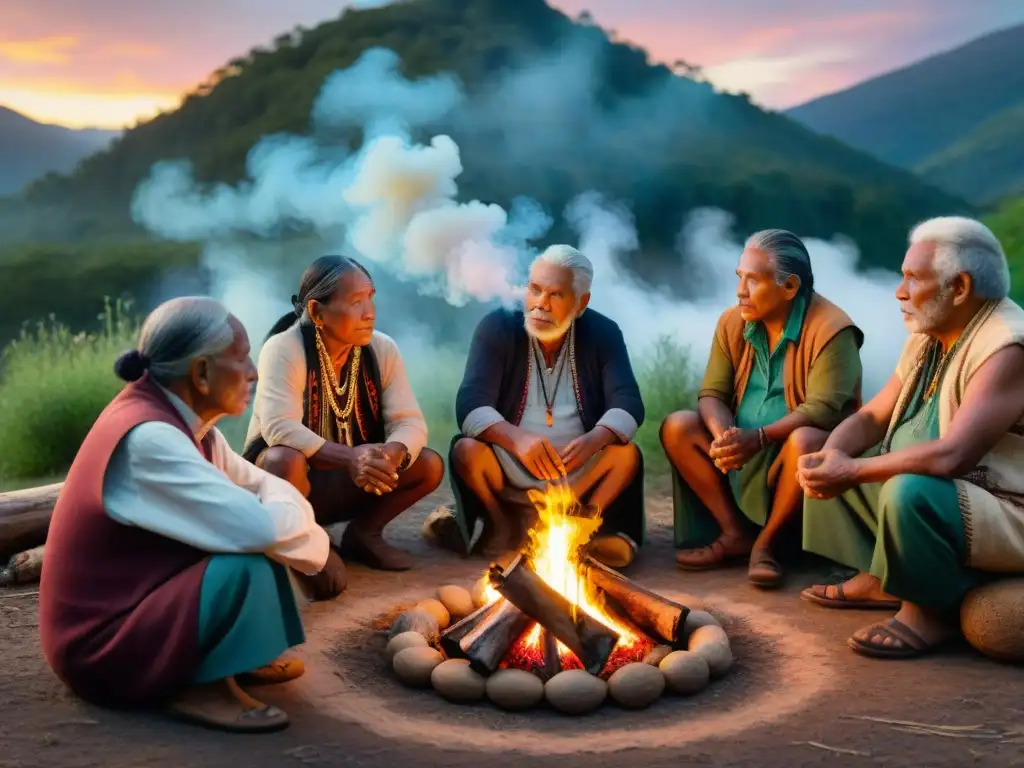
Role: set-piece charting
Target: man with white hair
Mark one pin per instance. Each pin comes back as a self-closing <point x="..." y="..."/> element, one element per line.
<point x="548" y="397"/>
<point x="922" y="490"/>
<point x="166" y="582"/>
<point x="783" y="370"/>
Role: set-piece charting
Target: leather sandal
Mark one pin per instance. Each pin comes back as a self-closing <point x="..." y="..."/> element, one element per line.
<point x="890" y="640"/>
<point x="818" y="594"/>
<point x="764" y="570"/>
<point x="276" y="672"/>
<point x="714" y="555"/>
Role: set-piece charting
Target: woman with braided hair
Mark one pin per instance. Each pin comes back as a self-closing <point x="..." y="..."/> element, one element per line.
<point x="335" y="416"/>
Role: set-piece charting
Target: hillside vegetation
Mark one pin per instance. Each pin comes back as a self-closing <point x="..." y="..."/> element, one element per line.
<point x="956" y="117"/>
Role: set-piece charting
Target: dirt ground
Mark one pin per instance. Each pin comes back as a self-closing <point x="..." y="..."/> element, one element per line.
<point x="795" y="697"/>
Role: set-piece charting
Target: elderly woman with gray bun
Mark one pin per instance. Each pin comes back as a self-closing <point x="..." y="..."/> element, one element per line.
<point x="166" y="582"/>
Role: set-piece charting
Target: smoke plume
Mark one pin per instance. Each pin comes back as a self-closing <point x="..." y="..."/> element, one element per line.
<point x="394" y="203"/>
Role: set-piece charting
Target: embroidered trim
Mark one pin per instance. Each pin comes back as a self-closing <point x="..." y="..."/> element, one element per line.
<point x="965" y="517"/>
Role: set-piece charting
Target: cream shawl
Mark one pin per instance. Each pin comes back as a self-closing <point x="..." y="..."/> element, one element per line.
<point x="992" y="494"/>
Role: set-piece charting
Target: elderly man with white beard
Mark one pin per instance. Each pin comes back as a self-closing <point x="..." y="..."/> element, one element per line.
<point x="548" y="396"/>
<point x="934" y="503"/>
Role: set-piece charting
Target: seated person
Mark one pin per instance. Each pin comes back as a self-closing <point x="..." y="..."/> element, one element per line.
<point x="933" y="503"/>
<point x="165" y="579"/>
<point x="784" y="369"/>
<point x="548" y="396"/>
<point x="334" y="415"/>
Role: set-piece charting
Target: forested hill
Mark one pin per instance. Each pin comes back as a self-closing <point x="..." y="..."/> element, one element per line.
<point x="662" y="142"/>
<point x="957" y="117"/>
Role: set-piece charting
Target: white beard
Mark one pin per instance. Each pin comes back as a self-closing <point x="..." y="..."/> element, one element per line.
<point x="932" y="314"/>
<point x="549" y="334"/>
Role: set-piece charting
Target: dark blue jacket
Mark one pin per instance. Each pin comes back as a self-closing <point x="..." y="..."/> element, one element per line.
<point x="496" y="369"/>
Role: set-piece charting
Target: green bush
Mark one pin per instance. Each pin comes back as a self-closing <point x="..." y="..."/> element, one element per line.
<point x="53" y="385"/>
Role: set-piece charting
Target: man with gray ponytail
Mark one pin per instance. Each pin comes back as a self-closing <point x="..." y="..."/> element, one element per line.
<point x="784" y="369"/>
<point x="166" y="580"/>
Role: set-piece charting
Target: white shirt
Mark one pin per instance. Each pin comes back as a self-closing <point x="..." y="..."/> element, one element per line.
<point x="157" y="479"/>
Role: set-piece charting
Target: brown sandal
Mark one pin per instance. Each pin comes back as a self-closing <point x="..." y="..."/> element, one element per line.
<point x="904" y="643"/>
<point x="764" y="571"/>
<point x="274" y="673"/>
<point x="819" y="594"/>
<point x="714" y="555"/>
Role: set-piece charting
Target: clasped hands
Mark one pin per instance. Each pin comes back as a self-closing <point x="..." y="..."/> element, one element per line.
<point x="539" y="457"/>
<point x="732" y="449"/>
<point x="374" y="467"/>
<point x="826" y="474"/>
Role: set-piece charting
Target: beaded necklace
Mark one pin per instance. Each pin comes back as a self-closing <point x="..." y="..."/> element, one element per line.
<point x="334" y="390"/>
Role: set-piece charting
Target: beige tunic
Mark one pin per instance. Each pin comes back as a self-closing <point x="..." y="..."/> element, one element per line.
<point x="992" y="494"/>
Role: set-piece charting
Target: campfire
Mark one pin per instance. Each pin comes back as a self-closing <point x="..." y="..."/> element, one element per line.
<point x="555" y="623"/>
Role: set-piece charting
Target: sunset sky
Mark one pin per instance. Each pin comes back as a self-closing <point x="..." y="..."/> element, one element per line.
<point x="108" y="62"/>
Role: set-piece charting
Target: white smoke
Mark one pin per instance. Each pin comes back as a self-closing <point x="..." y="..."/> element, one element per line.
<point x="396" y="203"/>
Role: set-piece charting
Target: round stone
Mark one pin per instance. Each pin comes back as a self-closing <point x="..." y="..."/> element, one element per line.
<point x="413" y="666"/>
<point x="456" y="682"/>
<point x="685" y="672"/>
<point x="480" y="592"/>
<point x="457" y="601"/>
<point x="697" y="619"/>
<point x="416" y="620"/>
<point x="575" y="692"/>
<point x="712" y="644"/>
<point x="992" y="619"/>
<point x="436" y="609"/>
<point x="515" y="690"/>
<point x="401" y="642"/>
<point x="636" y="686"/>
<point x="656" y="654"/>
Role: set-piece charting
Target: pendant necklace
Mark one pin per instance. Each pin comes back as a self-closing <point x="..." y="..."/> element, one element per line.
<point x="549" y="402"/>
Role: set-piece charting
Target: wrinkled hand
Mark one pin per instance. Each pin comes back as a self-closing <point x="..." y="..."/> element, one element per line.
<point x="734" y="449"/>
<point x="372" y="469"/>
<point x="826" y="474"/>
<point x="582" y="449"/>
<point x="538" y="455"/>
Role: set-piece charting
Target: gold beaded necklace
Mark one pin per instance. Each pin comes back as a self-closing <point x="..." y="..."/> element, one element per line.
<point x="333" y="390"/>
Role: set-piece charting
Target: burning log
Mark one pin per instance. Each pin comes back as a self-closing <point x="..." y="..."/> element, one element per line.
<point x="486" y="643"/>
<point x="552" y="660"/>
<point x="452" y="636"/>
<point x="589" y="639"/>
<point x="25" y="517"/>
<point x="650" y="612"/>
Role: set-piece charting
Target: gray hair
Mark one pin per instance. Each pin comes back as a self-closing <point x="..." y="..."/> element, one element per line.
<point x="181" y="330"/>
<point x="966" y="245"/>
<point x="788" y="254"/>
<point x="568" y="257"/>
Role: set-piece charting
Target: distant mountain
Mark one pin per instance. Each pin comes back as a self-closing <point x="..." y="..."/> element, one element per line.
<point x="29" y="150"/>
<point x="957" y="117"/>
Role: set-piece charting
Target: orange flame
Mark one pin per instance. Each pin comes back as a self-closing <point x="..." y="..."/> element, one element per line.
<point x="553" y="551"/>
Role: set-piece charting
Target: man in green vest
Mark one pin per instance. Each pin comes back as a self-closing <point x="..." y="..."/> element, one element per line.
<point x="784" y="369"/>
<point x="933" y="503"/>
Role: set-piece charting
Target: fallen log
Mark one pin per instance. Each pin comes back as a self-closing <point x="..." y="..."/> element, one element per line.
<point x="25" y="517"/>
<point x="585" y="636"/>
<point x="487" y="643"/>
<point x="655" y="615"/>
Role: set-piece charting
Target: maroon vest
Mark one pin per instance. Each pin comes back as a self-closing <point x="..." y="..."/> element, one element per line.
<point x="118" y="605"/>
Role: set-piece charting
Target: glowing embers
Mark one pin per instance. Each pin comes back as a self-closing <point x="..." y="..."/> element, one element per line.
<point x="554" y="623"/>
